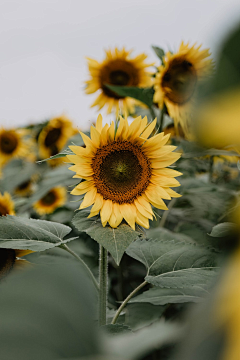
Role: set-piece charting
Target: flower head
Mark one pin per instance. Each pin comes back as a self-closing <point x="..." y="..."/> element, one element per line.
<point x="54" y="136"/>
<point x="124" y="171"/>
<point x="176" y="81"/>
<point x="119" y="69"/>
<point x="15" y="144"/>
<point x="55" y="198"/>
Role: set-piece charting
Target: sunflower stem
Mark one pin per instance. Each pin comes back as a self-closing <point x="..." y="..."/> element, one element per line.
<point x="65" y="247"/>
<point x="163" y="112"/>
<point x="152" y="113"/>
<point x="103" y="282"/>
<point x="166" y="212"/>
<point x="124" y="303"/>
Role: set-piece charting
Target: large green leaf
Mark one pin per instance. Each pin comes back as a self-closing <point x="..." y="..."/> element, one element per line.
<point x="162" y="296"/>
<point x="163" y="257"/>
<point x="116" y="241"/>
<point x="144" y="95"/>
<point x="140" y="314"/>
<point x="48" y="312"/>
<point x="37" y="235"/>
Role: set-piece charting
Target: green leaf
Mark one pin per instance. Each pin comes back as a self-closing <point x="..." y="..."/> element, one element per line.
<point x="144" y="95"/>
<point x="140" y="314"/>
<point x="163" y="257"/>
<point x="116" y="241"/>
<point x="36" y="235"/>
<point x="165" y="234"/>
<point x="163" y="296"/>
<point x="181" y="278"/>
<point x="48" y="312"/>
<point x="116" y="329"/>
<point x="223" y="229"/>
<point x="159" y="52"/>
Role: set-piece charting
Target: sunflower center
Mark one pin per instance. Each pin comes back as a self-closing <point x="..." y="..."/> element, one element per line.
<point x="120" y="73"/>
<point x="52" y="137"/>
<point x="8" y="142"/>
<point x="7" y="259"/>
<point x="179" y="81"/>
<point x="49" y="198"/>
<point x="3" y="210"/>
<point x="24" y="185"/>
<point x="121" y="171"/>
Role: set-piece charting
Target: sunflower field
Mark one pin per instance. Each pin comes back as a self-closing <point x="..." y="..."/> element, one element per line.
<point x="122" y="242"/>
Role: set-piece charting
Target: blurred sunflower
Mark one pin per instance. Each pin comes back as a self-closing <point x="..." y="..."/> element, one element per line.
<point x="15" y="143"/>
<point x="6" y="204"/>
<point x="55" y="198"/>
<point x="9" y="258"/>
<point x="117" y="69"/>
<point x="177" y="79"/>
<point x="54" y="136"/>
<point x="24" y="189"/>
<point x="124" y="171"/>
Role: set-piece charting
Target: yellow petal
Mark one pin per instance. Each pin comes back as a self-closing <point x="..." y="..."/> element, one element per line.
<point x="111" y="132"/>
<point x="142" y="210"/>
<point x="157" y="202"/>
<point x="89" y="198"/>
<point x="99" y="123"/>
<point x="88" y="142"/>
<point x="147" y="132"/>
<point x="104" y="137"/>
<point x="172" y="193"/>
<point x="128" y="212"/>
<point x="95" y="136"/>
<point x="98" y="203"/>
<point x="157" y="192"/>
<point x="83" y="187"/>
<point x="117" y="212"/>
<point x="142" y="220"/>
<point x="106" y="210"/>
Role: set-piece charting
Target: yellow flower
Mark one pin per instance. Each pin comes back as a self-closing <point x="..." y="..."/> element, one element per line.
<point x="54" y="136"/>
<point x="6" y="205"/>
<point x="118" y="68"/>
<point x="176" y="81"/>
<point x="14" y="144"/>
<point x="10" y="260"/>
<point x="125" y="171"/>
<point x="55" y="198"/>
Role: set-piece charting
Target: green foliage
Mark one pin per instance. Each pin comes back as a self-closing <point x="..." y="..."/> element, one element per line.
<point x="37" y="235"/>
<point x="145" y="95"/>
<point x="116" y="241"/>
<point x="48" y="313"/>
<point x="223" y="229"/>
<point x="159" y="52"/>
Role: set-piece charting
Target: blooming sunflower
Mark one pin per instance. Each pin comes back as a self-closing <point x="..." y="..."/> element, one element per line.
<point x="55" y="198"/>
<point x="124" y="171"/>
<point x="176" y="81"/>
<point x="54" y="136"/>
<point x="118" y="68"/>
<point x="13" y="143"/>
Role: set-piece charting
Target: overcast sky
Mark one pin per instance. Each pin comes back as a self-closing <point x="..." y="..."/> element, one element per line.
<point x="44" y="43"/>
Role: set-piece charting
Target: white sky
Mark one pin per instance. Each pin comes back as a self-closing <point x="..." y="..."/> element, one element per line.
<point x="44" y="43"/>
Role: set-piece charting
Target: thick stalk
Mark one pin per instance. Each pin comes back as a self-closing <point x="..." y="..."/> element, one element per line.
<point x="65" y="247"/>
<point x="164" y="110"/>
<point x="103" y="283"/>
<point x="124" y="303"/>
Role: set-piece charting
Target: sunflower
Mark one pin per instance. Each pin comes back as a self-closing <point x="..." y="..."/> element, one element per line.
<point x="24" y="189"/>
<point x="176" y="81"/>
<point x="55" y="198"/>
<point x="6" y="205"/>
<point x="54" y="136"/>
<point x="124" y="171"/>
<point x="15" y="144"/>
<point x="118" y="68"/>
